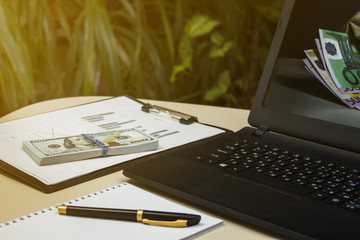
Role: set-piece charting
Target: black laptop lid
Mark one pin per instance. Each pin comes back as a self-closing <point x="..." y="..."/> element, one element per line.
<point x="291" y="101"/>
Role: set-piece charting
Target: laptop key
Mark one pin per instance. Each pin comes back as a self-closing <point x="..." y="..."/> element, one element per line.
<point x="222" y="165"/>
<point x="300" y="182"/>
<point x="223" y="152"/>
<point x="259" y="150"/>
<point x="259" y="169"/>
<point x="233" y="162"/>
<point x="352" y="183"/>
<point x="356" y="200"/>
<point x="200" y="158"/>
<point x="284" y="157"/>
<point x="346" y="189"/>
<point x="274" y="167"/>
<point x="329" y="191"/>
<point x="246" y="165"/>
<point x="272" y="173"/>
<point x="286" y="178"/>
<point x="316" y="180"/>
<point x="319" y="195"/>
<point x="335" y="200"/>
<point x="246" y="146"/>
<point x="351" y="206"/>
<point x="210" y="161"/>
<point x="353" y="176"/>
<point x="345" y="196"/>
<point x="314" y="186"/>
<point x="235" y="169"/>
<point x="217" y="156"/>
<point x="331" y="184"/>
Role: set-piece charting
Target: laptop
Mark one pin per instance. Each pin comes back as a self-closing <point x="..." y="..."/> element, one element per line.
<point x="296" y="171"/>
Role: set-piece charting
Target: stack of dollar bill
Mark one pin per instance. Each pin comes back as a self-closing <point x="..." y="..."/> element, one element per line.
<point x="73" y="148"/>
<point x="336" y="64"/>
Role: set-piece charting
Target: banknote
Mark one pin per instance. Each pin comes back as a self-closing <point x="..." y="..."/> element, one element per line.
<point x="350" y="102"/>
<point x="320" y="68"/>
<point x="85" y="146"/>
<point x="350" y="99"/>
<point x="342" y="60"/>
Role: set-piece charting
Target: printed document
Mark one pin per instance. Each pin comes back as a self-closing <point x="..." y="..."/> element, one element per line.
<point x="113" y="114"/>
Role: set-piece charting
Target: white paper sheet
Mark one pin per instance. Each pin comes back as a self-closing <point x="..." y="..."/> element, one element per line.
<point x="48" y="224"/>
<point x="112" y="114"/>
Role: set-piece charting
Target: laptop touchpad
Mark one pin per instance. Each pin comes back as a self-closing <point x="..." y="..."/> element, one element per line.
<point x="245" y="196"/>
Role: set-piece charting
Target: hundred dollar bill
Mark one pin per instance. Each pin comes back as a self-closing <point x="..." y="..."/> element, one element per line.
<point x="84" y="146"/>
<point x="342" y="60"/>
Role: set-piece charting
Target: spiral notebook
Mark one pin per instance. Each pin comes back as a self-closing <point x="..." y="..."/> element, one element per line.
<point x="48" y="224"/>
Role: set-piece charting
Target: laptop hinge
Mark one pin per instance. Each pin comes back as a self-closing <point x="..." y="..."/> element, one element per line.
<point x="260" y="131"/>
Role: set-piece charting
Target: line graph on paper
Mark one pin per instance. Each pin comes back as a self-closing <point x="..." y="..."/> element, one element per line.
<point x="108" y="121"/>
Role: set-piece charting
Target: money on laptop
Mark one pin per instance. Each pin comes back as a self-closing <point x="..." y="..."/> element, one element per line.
<point x="85" y="146"/>
<point x="336" y="64"/>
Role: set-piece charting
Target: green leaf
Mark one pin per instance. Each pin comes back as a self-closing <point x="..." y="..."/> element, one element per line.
<point x="200" y="25"/>
<point x="186" y="51"/>
<point x="186" y="54"/>
<point x="217" y="52"/>
<point x="177" y="69"/>
<point x="217" y="38"/>
<point x="221" y="87"/>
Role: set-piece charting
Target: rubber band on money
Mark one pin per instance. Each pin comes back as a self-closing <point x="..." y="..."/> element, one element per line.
<point x="97" y="142"/>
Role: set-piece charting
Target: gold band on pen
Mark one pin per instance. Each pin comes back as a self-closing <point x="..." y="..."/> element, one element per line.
<point x="177" y="223"/>
<point x="62" y="209"/>
<point x="139" y="215"/>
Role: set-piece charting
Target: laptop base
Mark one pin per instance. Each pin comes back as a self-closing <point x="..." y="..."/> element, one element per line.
<point x="286" y="211"/>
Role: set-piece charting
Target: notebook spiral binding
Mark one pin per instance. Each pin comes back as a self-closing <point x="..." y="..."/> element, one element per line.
<point x="54" y="208"/>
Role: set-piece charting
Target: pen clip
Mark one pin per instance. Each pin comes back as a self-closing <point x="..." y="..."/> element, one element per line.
<point x="181" y="117"/>
<point x="177" y="223"/>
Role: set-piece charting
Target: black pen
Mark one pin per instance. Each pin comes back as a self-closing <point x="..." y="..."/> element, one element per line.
<point x="167" y="219"/>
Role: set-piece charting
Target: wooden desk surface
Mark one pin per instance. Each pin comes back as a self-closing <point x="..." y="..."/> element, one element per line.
<point x="18" y="199"/>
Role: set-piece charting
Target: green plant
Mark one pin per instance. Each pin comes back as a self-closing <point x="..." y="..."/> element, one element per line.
<point x="183" y="50"/>
<point x="222" y="53"/>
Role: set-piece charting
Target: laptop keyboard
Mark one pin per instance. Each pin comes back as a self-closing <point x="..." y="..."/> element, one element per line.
<point x="336" y="185"/>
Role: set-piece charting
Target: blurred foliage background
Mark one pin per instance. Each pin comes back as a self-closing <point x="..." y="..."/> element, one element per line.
<point x="202" y="51"/>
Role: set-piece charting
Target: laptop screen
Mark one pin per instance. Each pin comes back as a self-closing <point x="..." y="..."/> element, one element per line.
<point x="298" y="94"/>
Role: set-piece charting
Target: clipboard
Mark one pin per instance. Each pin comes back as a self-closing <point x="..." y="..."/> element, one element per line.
<point x="179" y="116"/>
<point x="8" y="168"/>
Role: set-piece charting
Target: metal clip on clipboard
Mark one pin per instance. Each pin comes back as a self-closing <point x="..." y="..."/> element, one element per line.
<point x="181" y="117"/>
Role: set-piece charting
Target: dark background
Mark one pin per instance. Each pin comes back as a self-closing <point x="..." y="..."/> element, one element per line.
<point x="308" y="17"/>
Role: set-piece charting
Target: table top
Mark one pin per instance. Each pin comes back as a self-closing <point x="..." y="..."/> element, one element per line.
<point x="18" y="199"/>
